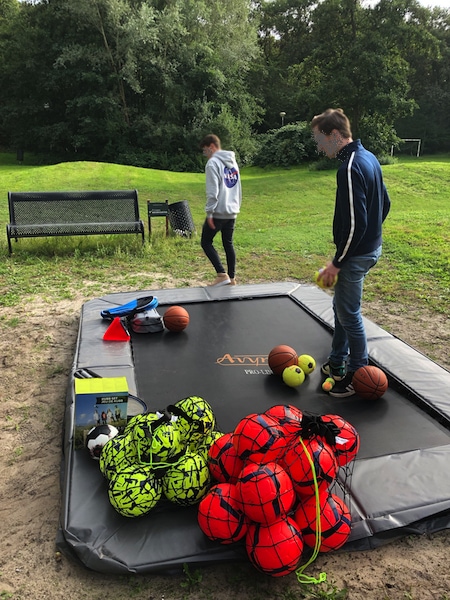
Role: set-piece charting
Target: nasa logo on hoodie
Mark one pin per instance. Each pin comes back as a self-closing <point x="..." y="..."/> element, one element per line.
<point x="230" y="176"/>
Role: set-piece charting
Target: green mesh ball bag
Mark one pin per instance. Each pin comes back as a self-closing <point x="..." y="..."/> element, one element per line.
<point x="157" y="438"/>
<point x="117" y="454"/>
<point x="202" y="447"/>
<point x="135" y="491"/>
<point x="194" y="418"/>
<point x="186" y="482"/>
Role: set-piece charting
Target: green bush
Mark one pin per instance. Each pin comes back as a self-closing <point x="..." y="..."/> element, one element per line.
<point x="387" y="159"/>
<point x="286" y="146"/>
<point x="325" y="164"/>
<point x="377" y="135"/>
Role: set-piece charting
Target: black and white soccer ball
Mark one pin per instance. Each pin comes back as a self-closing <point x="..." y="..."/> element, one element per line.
<point x="97" y="438"/>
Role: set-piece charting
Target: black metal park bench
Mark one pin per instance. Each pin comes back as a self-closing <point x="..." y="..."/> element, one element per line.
<point x="42" y="214"/>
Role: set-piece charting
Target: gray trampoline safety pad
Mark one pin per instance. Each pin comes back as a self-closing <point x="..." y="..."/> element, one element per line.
<point x="398" y="485"/>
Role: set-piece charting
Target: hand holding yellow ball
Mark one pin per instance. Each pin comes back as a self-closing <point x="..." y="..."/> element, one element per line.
<point x="321" y="283"/>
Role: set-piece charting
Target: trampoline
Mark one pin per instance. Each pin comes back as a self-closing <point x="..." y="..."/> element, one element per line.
<point x="398" y="485"/>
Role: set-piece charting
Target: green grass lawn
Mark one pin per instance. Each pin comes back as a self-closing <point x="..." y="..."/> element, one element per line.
<point x="283" y="231"/>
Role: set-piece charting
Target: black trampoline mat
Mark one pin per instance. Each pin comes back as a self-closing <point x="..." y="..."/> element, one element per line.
<point x="396" y="487"/>
<point x="222" y="357"/>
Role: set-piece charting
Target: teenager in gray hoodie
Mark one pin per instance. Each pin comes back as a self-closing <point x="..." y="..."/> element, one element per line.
<point x="223" y="203"/>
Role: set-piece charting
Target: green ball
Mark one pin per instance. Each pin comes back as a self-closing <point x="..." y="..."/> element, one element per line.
<point x="166" y="442"/>
<point x="186" y="482"/>
<point x="117" y="454"/>
<point x="134" y="491"/>
<point x="140" y="426"/>
<point x="156" y="440"/>
<point x="202" y="447"/>
<point x="321" y="283"/>
<point x="141" y="420"/>
<point x="328" y="384"/>
<point x="293" y="376"/>
<point x="306" y="363"/>
<point x="196" y="419"/>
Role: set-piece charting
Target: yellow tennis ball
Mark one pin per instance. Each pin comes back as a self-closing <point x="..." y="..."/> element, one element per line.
<point x="321" y="283"/>
<point x="306" y="363"/>
<point x="328" y="384"/>
<point x="293" y="376"/>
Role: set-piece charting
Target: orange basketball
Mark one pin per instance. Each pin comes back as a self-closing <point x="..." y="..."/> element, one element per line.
<point x="370" y="382"/>
<point x="281" y="357"/>
<point x="176" y="318"/>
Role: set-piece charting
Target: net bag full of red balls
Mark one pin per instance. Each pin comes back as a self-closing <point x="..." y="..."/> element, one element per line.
<point x="274" y="549"/>
<point x="259" y="438"/>
<point x="333" y="516"/>
<point x="265" y="492"/>
<point x="309" y="462"/>
<point x="220" y="516"/>
<point x="223" y="462"/>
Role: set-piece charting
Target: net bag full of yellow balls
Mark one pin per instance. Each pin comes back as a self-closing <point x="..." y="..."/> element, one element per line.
<point x="157" y="438"/>
<point x="194" y="418"/>
<point x="135" y="491"/>
<point x="117" y="455"/>
<point x="187" y="481"/>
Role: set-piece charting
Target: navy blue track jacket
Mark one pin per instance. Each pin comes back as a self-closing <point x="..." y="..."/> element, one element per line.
<point x="362" y="204"/>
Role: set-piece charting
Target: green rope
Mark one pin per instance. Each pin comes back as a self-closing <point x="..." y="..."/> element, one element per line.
<point x="301" y="577"/>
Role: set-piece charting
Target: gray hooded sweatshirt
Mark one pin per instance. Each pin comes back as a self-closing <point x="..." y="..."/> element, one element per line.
<point x="223" y="186"/>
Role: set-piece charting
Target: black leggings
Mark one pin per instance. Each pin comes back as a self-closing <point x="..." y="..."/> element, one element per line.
<point x="226" y="227"/>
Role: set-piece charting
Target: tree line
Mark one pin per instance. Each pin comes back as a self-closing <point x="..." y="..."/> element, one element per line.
<point x="141" y="81"/>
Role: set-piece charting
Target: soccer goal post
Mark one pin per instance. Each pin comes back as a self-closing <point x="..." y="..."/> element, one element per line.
<point x="418" y="141"/>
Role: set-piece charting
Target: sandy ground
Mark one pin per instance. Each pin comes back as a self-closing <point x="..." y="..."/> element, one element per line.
<point x="36" y="352"/>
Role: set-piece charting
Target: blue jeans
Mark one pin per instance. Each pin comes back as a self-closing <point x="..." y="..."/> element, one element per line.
<point x="349" y="339"/>
<point x="226" y="228"/>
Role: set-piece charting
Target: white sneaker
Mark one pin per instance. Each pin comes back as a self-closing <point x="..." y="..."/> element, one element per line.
<point x="221" y="279"/>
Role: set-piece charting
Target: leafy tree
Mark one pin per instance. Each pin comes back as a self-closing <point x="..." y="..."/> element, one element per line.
<point x="284" y="28"/>
<point x="141" y="81"/>
<point x="23" y="86"/>
<point x="198" y="82"/>
<point x="122" y="79"/>
<point x="353" y="65"/>
<point x="430" y="83"/>
<point x="378" y="63"/>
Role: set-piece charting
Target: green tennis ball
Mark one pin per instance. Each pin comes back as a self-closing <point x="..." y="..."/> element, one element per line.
<point x="306" y="363"/>
<point x="328" y="384"/>
<point x="293" y="376"/>
<point x="321" y="283"/>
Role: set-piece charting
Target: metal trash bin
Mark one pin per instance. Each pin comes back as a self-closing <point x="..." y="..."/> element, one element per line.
<point x="180" y="218"/>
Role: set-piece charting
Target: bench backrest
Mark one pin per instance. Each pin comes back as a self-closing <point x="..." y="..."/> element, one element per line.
<point x="28" y="208"/>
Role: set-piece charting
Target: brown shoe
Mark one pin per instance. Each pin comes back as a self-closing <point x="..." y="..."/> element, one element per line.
<point x="221" y="279"/>
<point x="232" y="280"/>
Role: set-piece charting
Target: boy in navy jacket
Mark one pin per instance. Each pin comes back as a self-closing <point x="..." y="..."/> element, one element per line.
<point x="362" y="204"/>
